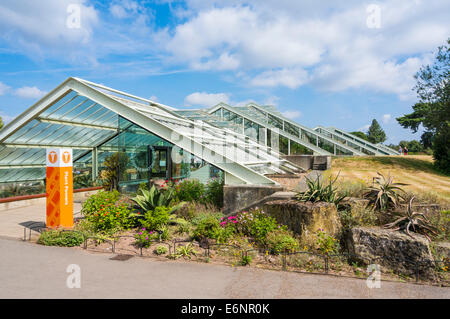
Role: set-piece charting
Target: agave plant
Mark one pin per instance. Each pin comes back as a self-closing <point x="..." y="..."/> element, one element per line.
<point x="149" y="199"/>
<point x="384" y="193"/>
<point x="320" y="192"/>
<point x="418" y="222"/>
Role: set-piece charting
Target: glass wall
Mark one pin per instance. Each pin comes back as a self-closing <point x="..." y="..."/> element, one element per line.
<point x="298" y="149"/>
<point x="145" y="156"/>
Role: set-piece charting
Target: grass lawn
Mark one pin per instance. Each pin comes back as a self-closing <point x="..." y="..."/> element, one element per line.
<point x="415" y="170"/>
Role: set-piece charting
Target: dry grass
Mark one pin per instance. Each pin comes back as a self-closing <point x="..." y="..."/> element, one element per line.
<point x="415" y="170"/>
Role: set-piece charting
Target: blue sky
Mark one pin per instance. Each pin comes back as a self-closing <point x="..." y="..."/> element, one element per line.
<point x="330" y="63"/>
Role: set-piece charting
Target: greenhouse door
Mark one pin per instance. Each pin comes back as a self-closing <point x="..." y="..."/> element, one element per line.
<point x="160" y="162"/>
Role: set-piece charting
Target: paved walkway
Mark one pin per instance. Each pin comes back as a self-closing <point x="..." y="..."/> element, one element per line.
<point x="13" y="221"/>
<point x="29" y="270"/>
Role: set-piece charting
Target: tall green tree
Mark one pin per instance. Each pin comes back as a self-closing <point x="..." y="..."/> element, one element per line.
<point x="375" y="134"/>
<point x="432" y="111"/>
<point x="360" y="135"/>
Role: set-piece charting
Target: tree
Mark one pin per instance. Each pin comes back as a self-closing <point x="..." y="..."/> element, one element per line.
<point x="427" y="139"/>
<point x="1" y="123"/>
<point x="360" y="135"/>
<point x="375" y="134"/>
<point x="432" y="111"/>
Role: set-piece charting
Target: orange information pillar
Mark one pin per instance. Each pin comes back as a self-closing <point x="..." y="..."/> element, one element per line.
<point x="59" y="188"/>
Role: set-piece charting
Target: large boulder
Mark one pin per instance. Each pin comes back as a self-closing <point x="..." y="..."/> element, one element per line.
<point x="305" y="218"/>
<point x="394" y="250"/>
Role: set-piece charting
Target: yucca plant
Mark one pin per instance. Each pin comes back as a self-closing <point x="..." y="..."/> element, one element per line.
<point x="384" y="194"/>
<point x="152" y="198"/>
<point x="320" y="192"/>
<point x="408" y="220"/>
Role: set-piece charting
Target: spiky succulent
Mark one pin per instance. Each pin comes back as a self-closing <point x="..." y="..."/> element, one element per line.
<point x="414" y="221"/>
<point x="320" y="192"/>
<point x="384" y="194"/>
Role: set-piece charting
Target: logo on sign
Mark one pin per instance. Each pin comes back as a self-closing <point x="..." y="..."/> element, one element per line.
<point x="52" y="157"/>
<point x="66" y="157"/>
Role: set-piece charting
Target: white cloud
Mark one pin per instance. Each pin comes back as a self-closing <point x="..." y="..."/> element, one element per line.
<point x="6" y="118"/>
<point x="292" y="114"/>
<point x="386" y="118"/>
<point x="153" y="98"/>
<point x="364" y="128"/>
<point x="123" y="9"/>
<point x="29" y="92"/>
<point x="3" y="88"/>
<point x="39" y="28"/>
<point x="206" y="99"/>
<point x="326" y="44"/>
<point x="292" y="78"/>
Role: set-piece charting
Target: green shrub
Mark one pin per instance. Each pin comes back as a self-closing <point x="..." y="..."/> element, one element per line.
<point x="358" y="215"/>
<point x="183" y="226"/>
<point x="214" y="192"/>
<point x="262" y="225"/>
<point x="186" y="251"/>
<point x="161" y="250"/>
<point x="326" y="244"/>
<point x="107" y="213"/>
<point x="61" y="238"/>
<point x="245" y="260"/>
<point x="190" y="190"/>
<point x="193" y="209"/>
<point x="163" y="232"/>
<point x="441" y="221"/>
<point x="208" y="226"/>
<point x="97" y="201"/>
<point x="153" y="219"/>
<point x="281" y="240"/>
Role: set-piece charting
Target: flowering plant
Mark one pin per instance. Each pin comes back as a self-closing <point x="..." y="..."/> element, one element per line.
<point x="326" y="244"/>
<point x="106" y="212"/>
<point x="144" y="237"/>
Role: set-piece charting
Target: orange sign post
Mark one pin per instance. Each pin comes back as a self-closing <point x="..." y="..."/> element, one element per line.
<point x="59" y="188"/>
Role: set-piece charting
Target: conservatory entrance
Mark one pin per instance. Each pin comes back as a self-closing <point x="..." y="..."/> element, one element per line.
<point x="160" y="162"/>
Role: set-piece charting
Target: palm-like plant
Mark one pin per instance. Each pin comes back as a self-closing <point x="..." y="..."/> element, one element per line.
<point x="384" y="193"/>
<point x="320" y="192"/>
<point x="418" y="222"/>
<point x="149" y="199"/>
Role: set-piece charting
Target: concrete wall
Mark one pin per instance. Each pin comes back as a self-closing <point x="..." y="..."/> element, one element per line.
<point x="322" y="162"/>
<point x="236" y="197"/>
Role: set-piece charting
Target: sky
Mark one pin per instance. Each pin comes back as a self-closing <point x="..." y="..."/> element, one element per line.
<point x="329" y="63"/>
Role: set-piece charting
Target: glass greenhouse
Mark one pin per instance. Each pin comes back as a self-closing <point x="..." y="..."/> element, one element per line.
<point x="152" y="140"/>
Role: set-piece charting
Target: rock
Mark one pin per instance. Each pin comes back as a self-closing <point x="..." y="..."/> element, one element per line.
<point x="442" y="250"/>
<point x="393" y="250"/>
<point x="305" y="218"/>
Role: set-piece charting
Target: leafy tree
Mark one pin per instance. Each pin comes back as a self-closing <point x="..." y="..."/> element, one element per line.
<point x="375" y="134"/>
<point x="433" y="109"/>
<point x="360" y="135"/>
<point x="427" y="139"/>
<point x="415" y="146"/>
<point x="1" y="123"/>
